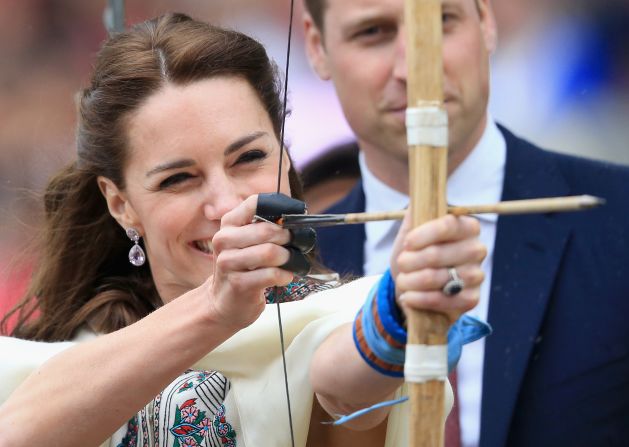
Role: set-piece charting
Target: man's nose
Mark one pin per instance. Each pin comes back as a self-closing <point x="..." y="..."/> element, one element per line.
<point x="399" y="62"/>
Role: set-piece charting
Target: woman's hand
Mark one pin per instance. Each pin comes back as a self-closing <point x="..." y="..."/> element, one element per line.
<point x="247" y="257"/>
<point x="422" y="257"/>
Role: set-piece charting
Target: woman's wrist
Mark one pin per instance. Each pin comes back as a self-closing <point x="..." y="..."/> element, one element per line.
<point x="204" y="318"/>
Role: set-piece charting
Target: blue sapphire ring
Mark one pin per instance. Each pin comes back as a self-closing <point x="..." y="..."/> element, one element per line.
<point x="454" y="284"/>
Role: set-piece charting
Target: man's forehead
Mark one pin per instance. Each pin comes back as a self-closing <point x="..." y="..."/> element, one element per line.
<point x="333" y="3"/>
<point x="341" y="8"/>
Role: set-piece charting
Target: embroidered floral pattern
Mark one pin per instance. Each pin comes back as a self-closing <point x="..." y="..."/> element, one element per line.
<point x="189" y="414"/>
<point x="145" y="428"/>
<point x="202" y="375"/>
<point x="189" y="425"/>
<point x="156" y="408"/>
<point x="198" y="378"/>
<point x="223" y="429"/>
<point x="131" y="437"/>
<point x="181" y="415"/>
<point x="186" y="386"/>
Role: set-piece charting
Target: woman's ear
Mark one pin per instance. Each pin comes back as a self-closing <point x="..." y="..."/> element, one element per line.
<point x="119" y="206"/>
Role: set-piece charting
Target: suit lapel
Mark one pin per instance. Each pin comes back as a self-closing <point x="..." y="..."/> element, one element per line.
<point x="341" y="247"/>
<point x="527" y="256"/>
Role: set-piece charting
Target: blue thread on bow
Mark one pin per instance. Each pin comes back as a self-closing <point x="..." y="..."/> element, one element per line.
<point x="466" y="329"/>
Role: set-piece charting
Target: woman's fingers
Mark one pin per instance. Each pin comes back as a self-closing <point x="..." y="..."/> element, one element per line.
<point x="242" y="284"/>
<point x="247" y="260"/>
<point x="423" y="290"/>
<point x="442" y="255"/>
<point x="436" y="301"/>
<point x="242" y="214"/>
<point x="251" y="258"/>
<point x="248" y="235"/>
<point x="442" y="242"/>
<point x="238" y="297"/>
<point x="424" y="262"/>
<point x="443" y="230"/>
<point x="426" y="280"/>
<point x="239" y="231"/>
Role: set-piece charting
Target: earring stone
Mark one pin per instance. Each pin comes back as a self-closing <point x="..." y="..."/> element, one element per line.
<point x="136" y="254"/>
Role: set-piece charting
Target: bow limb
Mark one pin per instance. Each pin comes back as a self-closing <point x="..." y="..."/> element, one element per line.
<point x="427" y="136"/>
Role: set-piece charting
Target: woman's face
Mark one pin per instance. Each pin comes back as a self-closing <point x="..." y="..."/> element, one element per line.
<point x="197" y="151"/>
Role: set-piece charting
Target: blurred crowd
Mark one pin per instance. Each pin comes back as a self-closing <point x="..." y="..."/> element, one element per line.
<point x="560" y="76"/>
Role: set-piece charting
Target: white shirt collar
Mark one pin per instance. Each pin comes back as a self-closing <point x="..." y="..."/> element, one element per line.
<point x="478" y="180"/>
<point x="379" y="235"/>
<point x="379" y="196"/>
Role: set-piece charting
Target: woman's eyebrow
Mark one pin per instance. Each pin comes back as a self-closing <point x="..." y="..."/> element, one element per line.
<point x="186" y="162"/>
<point x="177" y="164"/>
<point x="240" y="142"/>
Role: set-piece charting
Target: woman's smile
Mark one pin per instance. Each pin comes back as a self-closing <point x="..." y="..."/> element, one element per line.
<point x="203" y="245"/>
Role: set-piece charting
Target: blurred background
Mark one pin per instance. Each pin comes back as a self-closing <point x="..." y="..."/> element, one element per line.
<point x="560" y="77"/>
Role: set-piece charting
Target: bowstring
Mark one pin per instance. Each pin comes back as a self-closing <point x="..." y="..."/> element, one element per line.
<point x="279" y="183"/>
<point x="285" y="99"/>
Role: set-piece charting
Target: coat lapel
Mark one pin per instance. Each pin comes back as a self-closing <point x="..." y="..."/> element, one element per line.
<point x="527" y="256"/>
<point x="341" y="247"/>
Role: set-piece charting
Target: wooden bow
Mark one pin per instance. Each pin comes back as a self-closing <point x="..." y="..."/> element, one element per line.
<point x="428" y="175"/>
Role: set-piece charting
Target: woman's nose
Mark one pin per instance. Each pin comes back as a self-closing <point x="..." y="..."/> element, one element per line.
<point x="220" y="199"/>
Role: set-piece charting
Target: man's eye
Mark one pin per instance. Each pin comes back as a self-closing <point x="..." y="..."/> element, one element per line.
<point x="252" y="155"/>
<point x="447" y="17"/>
<point x="375" y="34"/>
<point x="174" y="180"/>
<point x="370" y="31"/>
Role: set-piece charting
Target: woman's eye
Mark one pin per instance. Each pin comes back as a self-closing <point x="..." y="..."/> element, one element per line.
<point x="252" y="155"/>
<point x="174" y="180"/>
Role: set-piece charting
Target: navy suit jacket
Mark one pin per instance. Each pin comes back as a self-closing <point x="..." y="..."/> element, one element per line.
<point x="556" y="368"/>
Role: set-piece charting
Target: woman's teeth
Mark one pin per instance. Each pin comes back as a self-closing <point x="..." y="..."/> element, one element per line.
<point x="205" y="246"/>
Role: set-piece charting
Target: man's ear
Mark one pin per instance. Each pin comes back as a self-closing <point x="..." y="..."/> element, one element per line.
<point x="119" y="206"/>
<point x="315" y="48"/>
<point x="287" y="164"/>
<point x="488" y="25"/>
<point x="287" y="161"/>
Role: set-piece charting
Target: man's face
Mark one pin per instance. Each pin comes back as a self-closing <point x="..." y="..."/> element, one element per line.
<point x="362" y="50"/>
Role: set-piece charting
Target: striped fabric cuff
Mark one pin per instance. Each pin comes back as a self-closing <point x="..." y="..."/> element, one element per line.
<point x="378" y="331"/>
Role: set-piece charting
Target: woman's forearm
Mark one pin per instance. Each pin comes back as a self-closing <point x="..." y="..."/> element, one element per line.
<point x="102" y="383"/>
<point x="352" y="385"/>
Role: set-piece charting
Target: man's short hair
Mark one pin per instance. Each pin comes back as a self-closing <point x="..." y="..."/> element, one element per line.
<point x="316" y="8"/>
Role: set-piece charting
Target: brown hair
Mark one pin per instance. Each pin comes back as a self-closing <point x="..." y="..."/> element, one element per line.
<point x="83" y="276"/>
<point x="316" y="8"/>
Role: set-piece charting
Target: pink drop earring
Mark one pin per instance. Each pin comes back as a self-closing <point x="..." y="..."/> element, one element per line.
<point x="136" y="254"/>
